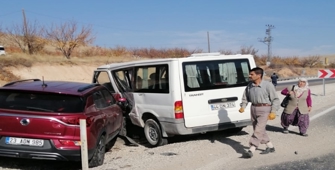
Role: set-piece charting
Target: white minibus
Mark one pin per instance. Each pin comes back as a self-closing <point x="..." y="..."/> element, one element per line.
<point x="180" y="96"/>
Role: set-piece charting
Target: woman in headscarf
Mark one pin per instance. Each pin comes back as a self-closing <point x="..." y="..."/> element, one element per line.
<point x="297" y="111"/>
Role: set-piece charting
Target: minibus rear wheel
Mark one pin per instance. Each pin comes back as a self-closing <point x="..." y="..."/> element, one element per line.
<point x="153" y="133"/>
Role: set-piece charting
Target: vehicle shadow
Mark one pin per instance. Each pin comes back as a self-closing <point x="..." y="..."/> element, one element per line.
<point x="33" y="164"/>
<point x="236" y="145"/>
<point x="225" y="139"/>
<point x="223" y="136"/>
<point x="137" y="135"/>
<point x="29" y="164"/>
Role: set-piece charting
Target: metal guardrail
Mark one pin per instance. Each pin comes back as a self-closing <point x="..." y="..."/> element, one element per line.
<point x="296" y="78"/>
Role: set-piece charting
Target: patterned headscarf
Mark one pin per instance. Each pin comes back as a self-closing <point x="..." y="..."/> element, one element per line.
<point x="299" y="90"/>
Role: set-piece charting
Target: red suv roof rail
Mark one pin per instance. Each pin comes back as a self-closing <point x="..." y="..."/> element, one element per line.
<point x="19" y="81"/>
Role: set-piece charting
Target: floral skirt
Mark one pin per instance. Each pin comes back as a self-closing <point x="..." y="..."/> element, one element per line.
<point x="295" y="119"/>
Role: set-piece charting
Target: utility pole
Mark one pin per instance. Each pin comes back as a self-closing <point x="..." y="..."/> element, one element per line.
<point x="26" y="35"/>
<point x="267" y="40"/>
<point x="209" y="48"/>
<point x="24" y="23"/>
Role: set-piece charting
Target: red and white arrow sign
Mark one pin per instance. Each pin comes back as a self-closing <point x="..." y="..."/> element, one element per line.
<point x="326" y="73"/>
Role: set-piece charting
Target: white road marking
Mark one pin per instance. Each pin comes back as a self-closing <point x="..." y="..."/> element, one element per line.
<point x="322" y="113"/>
<point x="315" y="116"/>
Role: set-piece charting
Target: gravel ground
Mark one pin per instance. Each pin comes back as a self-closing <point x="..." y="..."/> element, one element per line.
<point x="206" y="151"/>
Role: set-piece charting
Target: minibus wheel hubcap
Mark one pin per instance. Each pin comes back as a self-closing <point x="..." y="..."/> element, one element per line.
<point x="153" y="133"/>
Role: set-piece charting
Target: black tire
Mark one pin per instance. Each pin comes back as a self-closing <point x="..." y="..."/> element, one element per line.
<point x="153" y="133"/>
<point x="110" y="144"/>
<point x="99" y="153"/>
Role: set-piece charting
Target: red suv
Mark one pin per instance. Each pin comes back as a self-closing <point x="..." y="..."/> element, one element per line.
<point x="40" y="120"/>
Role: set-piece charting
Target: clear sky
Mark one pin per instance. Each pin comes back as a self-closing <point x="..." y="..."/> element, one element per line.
<point x="304" y="27"/>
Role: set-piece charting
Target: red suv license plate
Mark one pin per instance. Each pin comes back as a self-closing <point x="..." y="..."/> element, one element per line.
<point x="24" y="141"/>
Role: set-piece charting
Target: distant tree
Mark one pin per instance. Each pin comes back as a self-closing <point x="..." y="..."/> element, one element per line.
<point x="15" y="37"/>
<point x="28" y="37"/>
<point x="226" y="52"/>
<point x="67" y="36"/>
<point x="195" y="51"/>
<point x="248" y="50"/>
<point x="310" y="61"/>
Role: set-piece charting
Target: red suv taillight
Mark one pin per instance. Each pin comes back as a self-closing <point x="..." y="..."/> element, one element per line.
<point x="76" y="120"/>
<point x="70" y="142"/>
<point x="178" y="110"/>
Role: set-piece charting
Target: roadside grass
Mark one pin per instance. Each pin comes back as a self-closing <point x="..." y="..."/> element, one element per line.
<point x="11" y="61"/>
<point x="19" y="59"/>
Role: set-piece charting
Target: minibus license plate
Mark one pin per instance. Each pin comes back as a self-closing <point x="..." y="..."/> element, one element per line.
<point x="223" y="106"/>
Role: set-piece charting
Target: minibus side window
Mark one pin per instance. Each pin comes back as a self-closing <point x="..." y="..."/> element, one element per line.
<point x="206" y="75"/>
<point x="152" y="79"/>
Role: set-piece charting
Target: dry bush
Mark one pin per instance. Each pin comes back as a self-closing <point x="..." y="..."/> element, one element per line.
<point x="296" y="70"/>
<point x="331" y="65"/>
<point x="226" y="52"/>
<point x="311" y="61"/>
<point x="12" y="49"/>
<point x="5" y="62"/>
<point x="260" y="60"/>
<point x="120" y="51"/>
<point x="179" y="52"/>
<point x="150" y="53"/>
<point x="286" y="72"/>
<point x="248" y="50"/>
<point x="277" y="63"/>
<point x="162" y="53"/>
<point x="291" y="61"/>
<point x="8" y="76"/>
<point x="15" y="61"/>
<point x="311" y="71"/>
<point x="92" y="51"/>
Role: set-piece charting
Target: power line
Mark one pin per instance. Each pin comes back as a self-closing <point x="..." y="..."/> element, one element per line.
<point x="96" y="25"/>
<point x="9" y="13"/>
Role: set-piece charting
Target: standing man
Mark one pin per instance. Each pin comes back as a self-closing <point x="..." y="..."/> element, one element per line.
<point x="274" y="79"/>
<point x="264" y="103"/>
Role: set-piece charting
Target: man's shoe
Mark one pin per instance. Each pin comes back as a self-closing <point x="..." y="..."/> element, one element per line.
<point x="285" y="130"/>
<point x="268" y="150"/>
<point x="247" y="154"/>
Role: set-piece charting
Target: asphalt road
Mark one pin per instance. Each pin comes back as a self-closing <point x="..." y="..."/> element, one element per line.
<point x="325" y="162"/>
<point x="283" y="84"/>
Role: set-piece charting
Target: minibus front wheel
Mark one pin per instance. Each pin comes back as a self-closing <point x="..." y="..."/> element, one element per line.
<point x="153" y="133"/>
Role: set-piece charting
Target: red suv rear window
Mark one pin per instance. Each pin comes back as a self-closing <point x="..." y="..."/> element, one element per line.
<point x="41" y="102"/>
